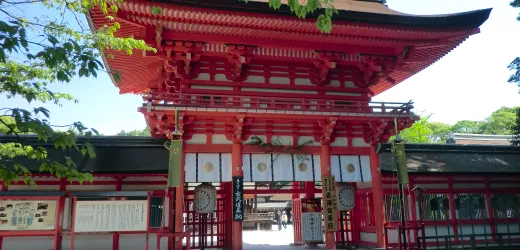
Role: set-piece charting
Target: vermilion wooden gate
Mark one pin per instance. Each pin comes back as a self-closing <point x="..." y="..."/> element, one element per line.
<point x="345" y="234"/>
<point x="214" y="225"/>
<point x="297" y="221"/>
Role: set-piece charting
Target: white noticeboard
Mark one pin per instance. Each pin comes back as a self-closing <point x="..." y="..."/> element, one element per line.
<point x="109" y="216"/>
<point x="27" y="215"/>
<point x="312" y="230"/>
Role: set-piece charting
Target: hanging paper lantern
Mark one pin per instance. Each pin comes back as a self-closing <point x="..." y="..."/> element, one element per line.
<point x="205" y="198"/>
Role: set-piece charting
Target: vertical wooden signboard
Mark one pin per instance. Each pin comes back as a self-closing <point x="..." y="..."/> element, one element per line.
<point x="238" y="198"/>
<point x="330" y="206"/>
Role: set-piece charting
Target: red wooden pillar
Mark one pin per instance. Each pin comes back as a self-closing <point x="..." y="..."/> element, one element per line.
<point x="310" y="189"/>
<point x="58" y="238"/>
<point x="377" y="197"/>
<point x="295" y="186"/>
<point x="236" y="163"/>
<point x="115" y="236"/>
<point x="179" y="206"/>
<point x="330" y="240"/>
<point x="451" y="197"/>
<point x="4" y="188"/>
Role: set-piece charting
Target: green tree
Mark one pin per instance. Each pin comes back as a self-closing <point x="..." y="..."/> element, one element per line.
<point x="500" y="122"/>
<point x="424" y="131"/>
<point x="37" y="52"/>
<point x="516" y="129"/>
<point x="468" y="127"/>
<point x="515" y="64"/>
<point x="142" y="132"/>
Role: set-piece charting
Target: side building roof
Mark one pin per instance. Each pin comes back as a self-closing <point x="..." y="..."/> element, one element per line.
<point x="147" y="155"/>
<point x="455" y="158"/>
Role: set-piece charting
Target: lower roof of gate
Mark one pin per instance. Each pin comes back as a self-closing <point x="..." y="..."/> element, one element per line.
<point x="147" y="155"/>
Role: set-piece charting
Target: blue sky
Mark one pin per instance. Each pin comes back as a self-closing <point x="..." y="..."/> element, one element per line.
<point x="469" y="83"/>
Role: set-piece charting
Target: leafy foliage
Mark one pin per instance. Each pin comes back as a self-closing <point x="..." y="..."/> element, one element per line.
<point x="500" y="122"/>
<point x="516" y="129"/>
<point x="37" y="52"/>
<point x="325" y="8"/>
<point x="515" y="64"/>
<point x="143" y="132"/>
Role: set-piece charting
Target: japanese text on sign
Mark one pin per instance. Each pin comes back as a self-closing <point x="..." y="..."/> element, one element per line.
<point x="111" y="216"/>
<point x="311" y="227"/>
<point x="238" y="198"/>
<point x="330" y="206"/>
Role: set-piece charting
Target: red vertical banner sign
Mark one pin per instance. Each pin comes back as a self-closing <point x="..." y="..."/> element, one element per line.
<point x="330" y="206"/>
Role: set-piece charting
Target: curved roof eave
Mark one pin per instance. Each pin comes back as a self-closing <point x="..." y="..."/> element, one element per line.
<point x="470" y="19"/>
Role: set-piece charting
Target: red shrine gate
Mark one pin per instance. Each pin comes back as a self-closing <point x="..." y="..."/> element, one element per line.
<point x="226" y="72"/>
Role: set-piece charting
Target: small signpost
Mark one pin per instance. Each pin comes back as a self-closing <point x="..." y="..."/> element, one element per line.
<point x="312" y="230"/>
<point x="330" y="206"/>
<point x="238" y="198"/>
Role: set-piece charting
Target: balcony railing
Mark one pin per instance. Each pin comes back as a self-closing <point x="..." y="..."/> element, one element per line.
<point x="298" y="105"/>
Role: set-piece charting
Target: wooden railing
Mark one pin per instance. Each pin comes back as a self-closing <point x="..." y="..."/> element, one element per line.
<point x="277" y="104"/>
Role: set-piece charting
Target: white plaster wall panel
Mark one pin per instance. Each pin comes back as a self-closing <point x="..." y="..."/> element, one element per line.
<point x="393" y="236"/>
<point x="226" y="167"/>
<point x="30" y="243"/>
<point x="197" y="139"/>
<point x="346" y="176"/>
<point x="87" y="187"/>
<point x="335" y="168"/>
<point x="220" y="139"/>
<point x="433" y="186"/>
<point x="135" y="187"/>
<point x="279" y="80"/>
<point x="248" y="140"/>
<point x="359" y="142"/>
<point x="203" y="76"/>
<point x="261" y="172"/>
<point x="469" y="185"/>
<point x="342" y="93"/>
<point x="190" y="167"/>
<point x="503" y="228"/>
<point x="349" y="84"/>
<point x="334" y="83"/>
<point x="67" y="214"/>
<point x="303" y="81"/>
<point x="366" y="172"/>
<point x="208" y="168"/>
<point x="340" y="142"/>
<point x="283" y="168"/>
<point x="280" y="90"/>
<point x="255" y="79"/>
<point x="482" y="229"/>
<point x="146" y="178"/>
<point x="246" y="167"/>
<point x="284" y="140"/>
<point x="33" y="188"/>
<point x="368" y="237"/>
<point x="306" y="171"/>
<point x="504" y="185"/>
<point x="304" y="139"/>
<point x="363" y="185"/>
<point x="221" y="77"/>
<point x="210" y="87"/>
<point x="440" y="231"/>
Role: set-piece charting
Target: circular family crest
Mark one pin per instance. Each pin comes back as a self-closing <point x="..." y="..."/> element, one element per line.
<point x="346" y="197"/>
<point x="351" y="168"/>
<point x="302" y="167"/>
<point x="261" y="167"/>
<point x="208" y="167"/>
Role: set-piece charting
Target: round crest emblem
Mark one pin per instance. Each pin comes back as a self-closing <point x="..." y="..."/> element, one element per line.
<point x="208" y="167"/>
<point x="351" y="168"/>
<point x="302" y="167"/>
<point x="261" y="167"/>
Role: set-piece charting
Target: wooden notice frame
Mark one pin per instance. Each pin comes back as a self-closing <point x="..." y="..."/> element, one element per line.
<point x="330" y="206"/>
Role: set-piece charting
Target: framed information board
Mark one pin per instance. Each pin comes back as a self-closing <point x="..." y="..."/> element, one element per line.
<point x="109" y="216"/>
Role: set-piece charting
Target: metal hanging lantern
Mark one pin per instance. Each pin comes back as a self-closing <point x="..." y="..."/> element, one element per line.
<point x="346" y="196"/>
<point x="205" y="198"/>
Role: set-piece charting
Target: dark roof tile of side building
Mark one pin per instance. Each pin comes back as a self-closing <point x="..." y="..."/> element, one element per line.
<point x="116" y="154"/>
<point x="373" y="12"/>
